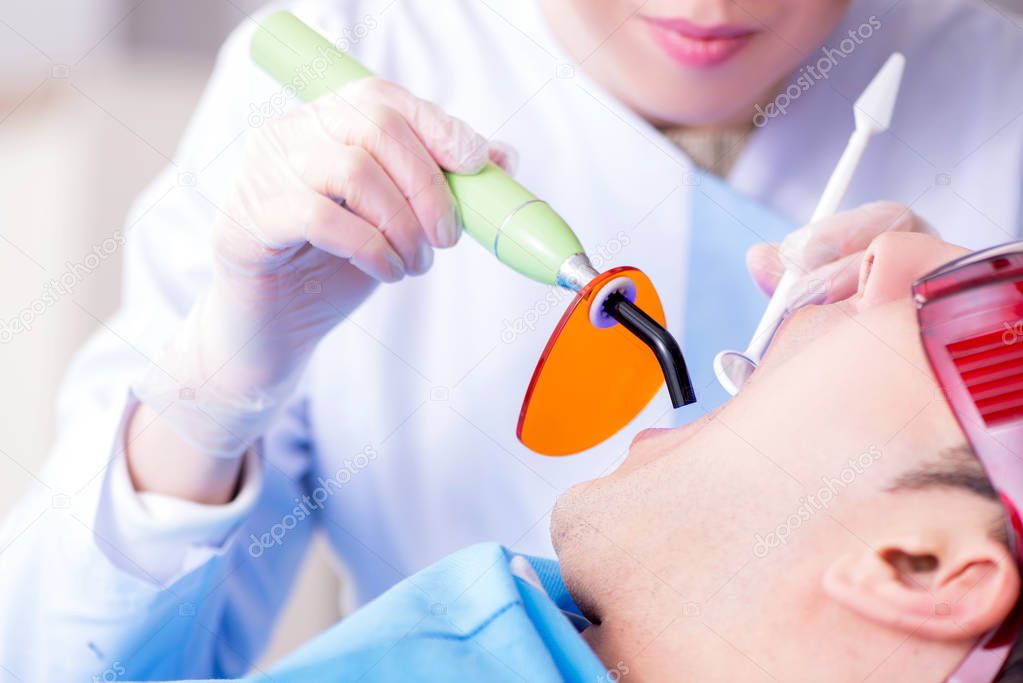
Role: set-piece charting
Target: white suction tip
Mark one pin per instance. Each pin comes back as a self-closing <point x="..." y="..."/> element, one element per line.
<point x="873" y="109"/>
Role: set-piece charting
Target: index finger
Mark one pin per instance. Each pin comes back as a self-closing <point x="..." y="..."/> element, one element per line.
<point x="846" y="233"/>
<point x="451" y="142"/>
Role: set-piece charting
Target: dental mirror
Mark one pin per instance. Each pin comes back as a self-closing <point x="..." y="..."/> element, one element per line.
<point x="873" y="114"/>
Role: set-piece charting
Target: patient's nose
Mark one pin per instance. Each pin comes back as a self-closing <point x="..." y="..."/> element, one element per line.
<point x="895" y="260"/>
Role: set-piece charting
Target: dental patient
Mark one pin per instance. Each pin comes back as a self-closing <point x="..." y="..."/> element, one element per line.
<point x="830" y="523"/>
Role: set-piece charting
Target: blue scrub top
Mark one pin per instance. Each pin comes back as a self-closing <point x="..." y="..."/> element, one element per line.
<point x="466" y="618"/>
<point x="723" y="305"/>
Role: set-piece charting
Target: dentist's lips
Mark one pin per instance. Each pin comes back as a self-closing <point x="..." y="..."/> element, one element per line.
<point x="698" y="46"/>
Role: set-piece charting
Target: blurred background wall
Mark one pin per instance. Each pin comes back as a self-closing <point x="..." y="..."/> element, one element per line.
<point x="94" y="95"/>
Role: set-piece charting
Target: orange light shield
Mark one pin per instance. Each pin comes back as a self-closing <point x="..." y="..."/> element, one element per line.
<point x="590" y="382"/>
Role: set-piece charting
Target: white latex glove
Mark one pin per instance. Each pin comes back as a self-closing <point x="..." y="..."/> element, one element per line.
<point x="332" y="198"/>
<point x="828" y="254"/>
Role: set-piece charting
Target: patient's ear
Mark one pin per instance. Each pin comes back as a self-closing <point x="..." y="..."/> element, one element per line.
<point x="943" y="589"/>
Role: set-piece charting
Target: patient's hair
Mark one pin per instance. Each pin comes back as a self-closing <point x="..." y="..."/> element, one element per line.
<point x="955" y="469"/>
<point x="958" y="469"/>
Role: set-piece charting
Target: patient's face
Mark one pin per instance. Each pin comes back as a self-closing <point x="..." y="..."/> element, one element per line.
<point x="731" y="519"/>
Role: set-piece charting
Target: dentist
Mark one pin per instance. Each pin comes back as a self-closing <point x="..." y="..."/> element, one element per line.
<point x="259" y="383"/>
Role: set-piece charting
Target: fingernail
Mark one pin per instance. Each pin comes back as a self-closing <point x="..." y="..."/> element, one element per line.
<point x="424" y="258"/>
<point x="766" y="279"/>
<point x="396" y="265"/>
<point x="447" y="230"/>
<point x="508" y="155"/>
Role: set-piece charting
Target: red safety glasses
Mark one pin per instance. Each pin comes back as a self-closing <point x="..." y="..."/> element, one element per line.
<point x="971" y="323"/>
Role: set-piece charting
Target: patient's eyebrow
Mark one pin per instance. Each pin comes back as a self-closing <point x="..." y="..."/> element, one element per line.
<point x="955" y="468"/>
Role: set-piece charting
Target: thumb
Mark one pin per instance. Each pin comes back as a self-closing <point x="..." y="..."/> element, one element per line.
<point x="765" y="266"/>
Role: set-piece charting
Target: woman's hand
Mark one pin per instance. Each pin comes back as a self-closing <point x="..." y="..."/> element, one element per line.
<point x="358" y="176"/>
<point x="331" y="199"/>
<point x="827" y="255"/>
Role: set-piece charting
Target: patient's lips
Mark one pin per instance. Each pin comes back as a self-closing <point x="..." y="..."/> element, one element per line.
<point x="645" y="434"/>
<point x="651" y="444"/>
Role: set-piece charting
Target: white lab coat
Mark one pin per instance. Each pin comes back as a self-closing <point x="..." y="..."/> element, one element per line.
<point x="403" y="432"/>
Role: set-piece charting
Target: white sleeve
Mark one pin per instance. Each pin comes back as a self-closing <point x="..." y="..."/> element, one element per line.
<point x="161" y="538"/>
<point x="100" y="584"/>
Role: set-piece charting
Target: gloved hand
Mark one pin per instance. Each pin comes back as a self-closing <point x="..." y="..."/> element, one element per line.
<point x="827" y="255"/>
<point x="331" y="198"/>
